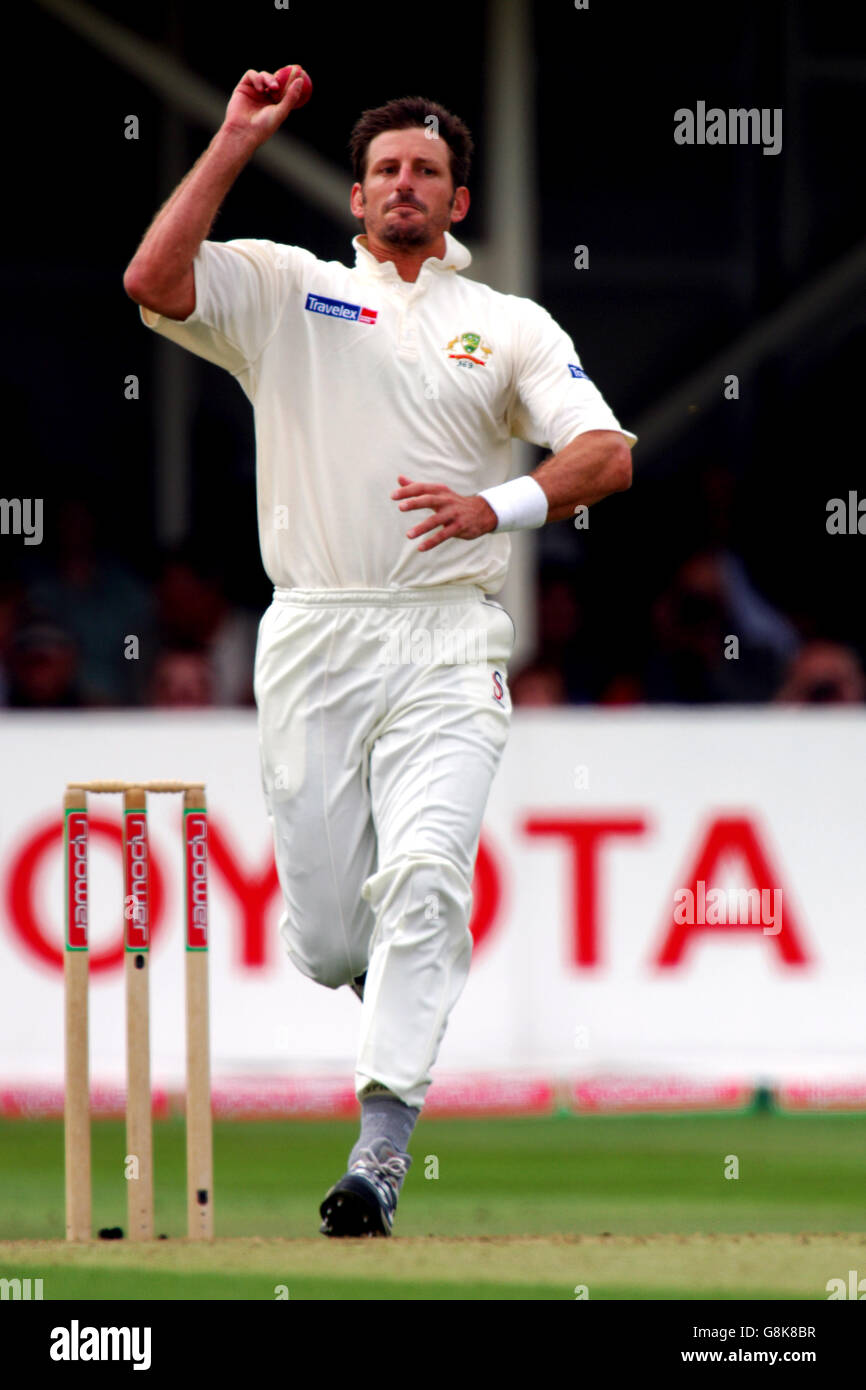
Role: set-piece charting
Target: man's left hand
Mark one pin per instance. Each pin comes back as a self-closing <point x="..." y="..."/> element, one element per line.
<point x="454" y="517"/>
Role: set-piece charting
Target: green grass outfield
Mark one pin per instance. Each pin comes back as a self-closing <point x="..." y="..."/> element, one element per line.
<point x="631" y="1206"/>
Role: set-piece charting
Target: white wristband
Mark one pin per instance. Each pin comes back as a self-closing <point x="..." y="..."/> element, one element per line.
<point x="519" y="505"/>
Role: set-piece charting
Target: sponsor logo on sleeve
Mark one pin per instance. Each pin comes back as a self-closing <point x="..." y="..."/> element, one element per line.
<point x="577" y="371"/>
<point x="340" y="309"/>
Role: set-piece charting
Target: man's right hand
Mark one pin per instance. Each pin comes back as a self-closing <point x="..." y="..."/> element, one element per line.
<point x="261" y="102"/>
<point x="161" y="274"/>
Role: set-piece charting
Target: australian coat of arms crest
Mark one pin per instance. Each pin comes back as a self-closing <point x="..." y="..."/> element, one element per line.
<point x="468" y="350"/>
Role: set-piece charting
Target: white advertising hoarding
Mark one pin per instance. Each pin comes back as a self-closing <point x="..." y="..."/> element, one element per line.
<point x="658" y="893"/>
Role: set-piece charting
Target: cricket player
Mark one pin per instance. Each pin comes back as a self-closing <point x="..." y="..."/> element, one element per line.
<point x="385" y="397"/>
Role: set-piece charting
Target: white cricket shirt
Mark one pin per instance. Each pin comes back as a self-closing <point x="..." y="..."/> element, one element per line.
<point x="355" y="376"/>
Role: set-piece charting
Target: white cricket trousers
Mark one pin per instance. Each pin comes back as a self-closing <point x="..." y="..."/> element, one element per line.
<point x="382" y="714"/>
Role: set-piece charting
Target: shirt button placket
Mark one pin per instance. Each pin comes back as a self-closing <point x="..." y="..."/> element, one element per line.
<point x="408" y="329"/>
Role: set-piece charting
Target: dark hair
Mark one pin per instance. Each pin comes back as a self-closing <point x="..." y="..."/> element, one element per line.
<point x="402" y="114"/>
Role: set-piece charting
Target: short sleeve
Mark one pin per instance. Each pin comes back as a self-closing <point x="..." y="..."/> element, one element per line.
<point x="553" y="399"/>
<point x="241" y="289"/>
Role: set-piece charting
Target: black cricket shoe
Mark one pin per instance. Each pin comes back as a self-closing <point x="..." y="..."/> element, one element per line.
<point x="364" y="1201"/>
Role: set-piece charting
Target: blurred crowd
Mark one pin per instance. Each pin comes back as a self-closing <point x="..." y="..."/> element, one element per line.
<point x="82" y="628"/>
<point x="690" y="625"/>
<point x="688" y="656"/>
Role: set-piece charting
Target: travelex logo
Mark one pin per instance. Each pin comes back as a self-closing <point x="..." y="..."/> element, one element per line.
<point x="577" y="371"/>
<point x="339" y="309"/>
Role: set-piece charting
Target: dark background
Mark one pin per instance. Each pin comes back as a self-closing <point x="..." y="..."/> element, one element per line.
<point x="690" y="248"/>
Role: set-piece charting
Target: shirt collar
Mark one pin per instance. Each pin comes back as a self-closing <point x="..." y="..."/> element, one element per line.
<point x="457" y="257"/>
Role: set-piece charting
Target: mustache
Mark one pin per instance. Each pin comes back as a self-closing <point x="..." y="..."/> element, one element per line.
<point x="408" y="202"/>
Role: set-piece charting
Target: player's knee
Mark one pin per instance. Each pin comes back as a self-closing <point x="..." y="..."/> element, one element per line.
<point x="328" y="962"/>
<point x="426" y="895"/>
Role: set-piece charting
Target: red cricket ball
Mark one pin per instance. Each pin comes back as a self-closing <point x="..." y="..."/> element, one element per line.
<point x="306" y="90"/>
